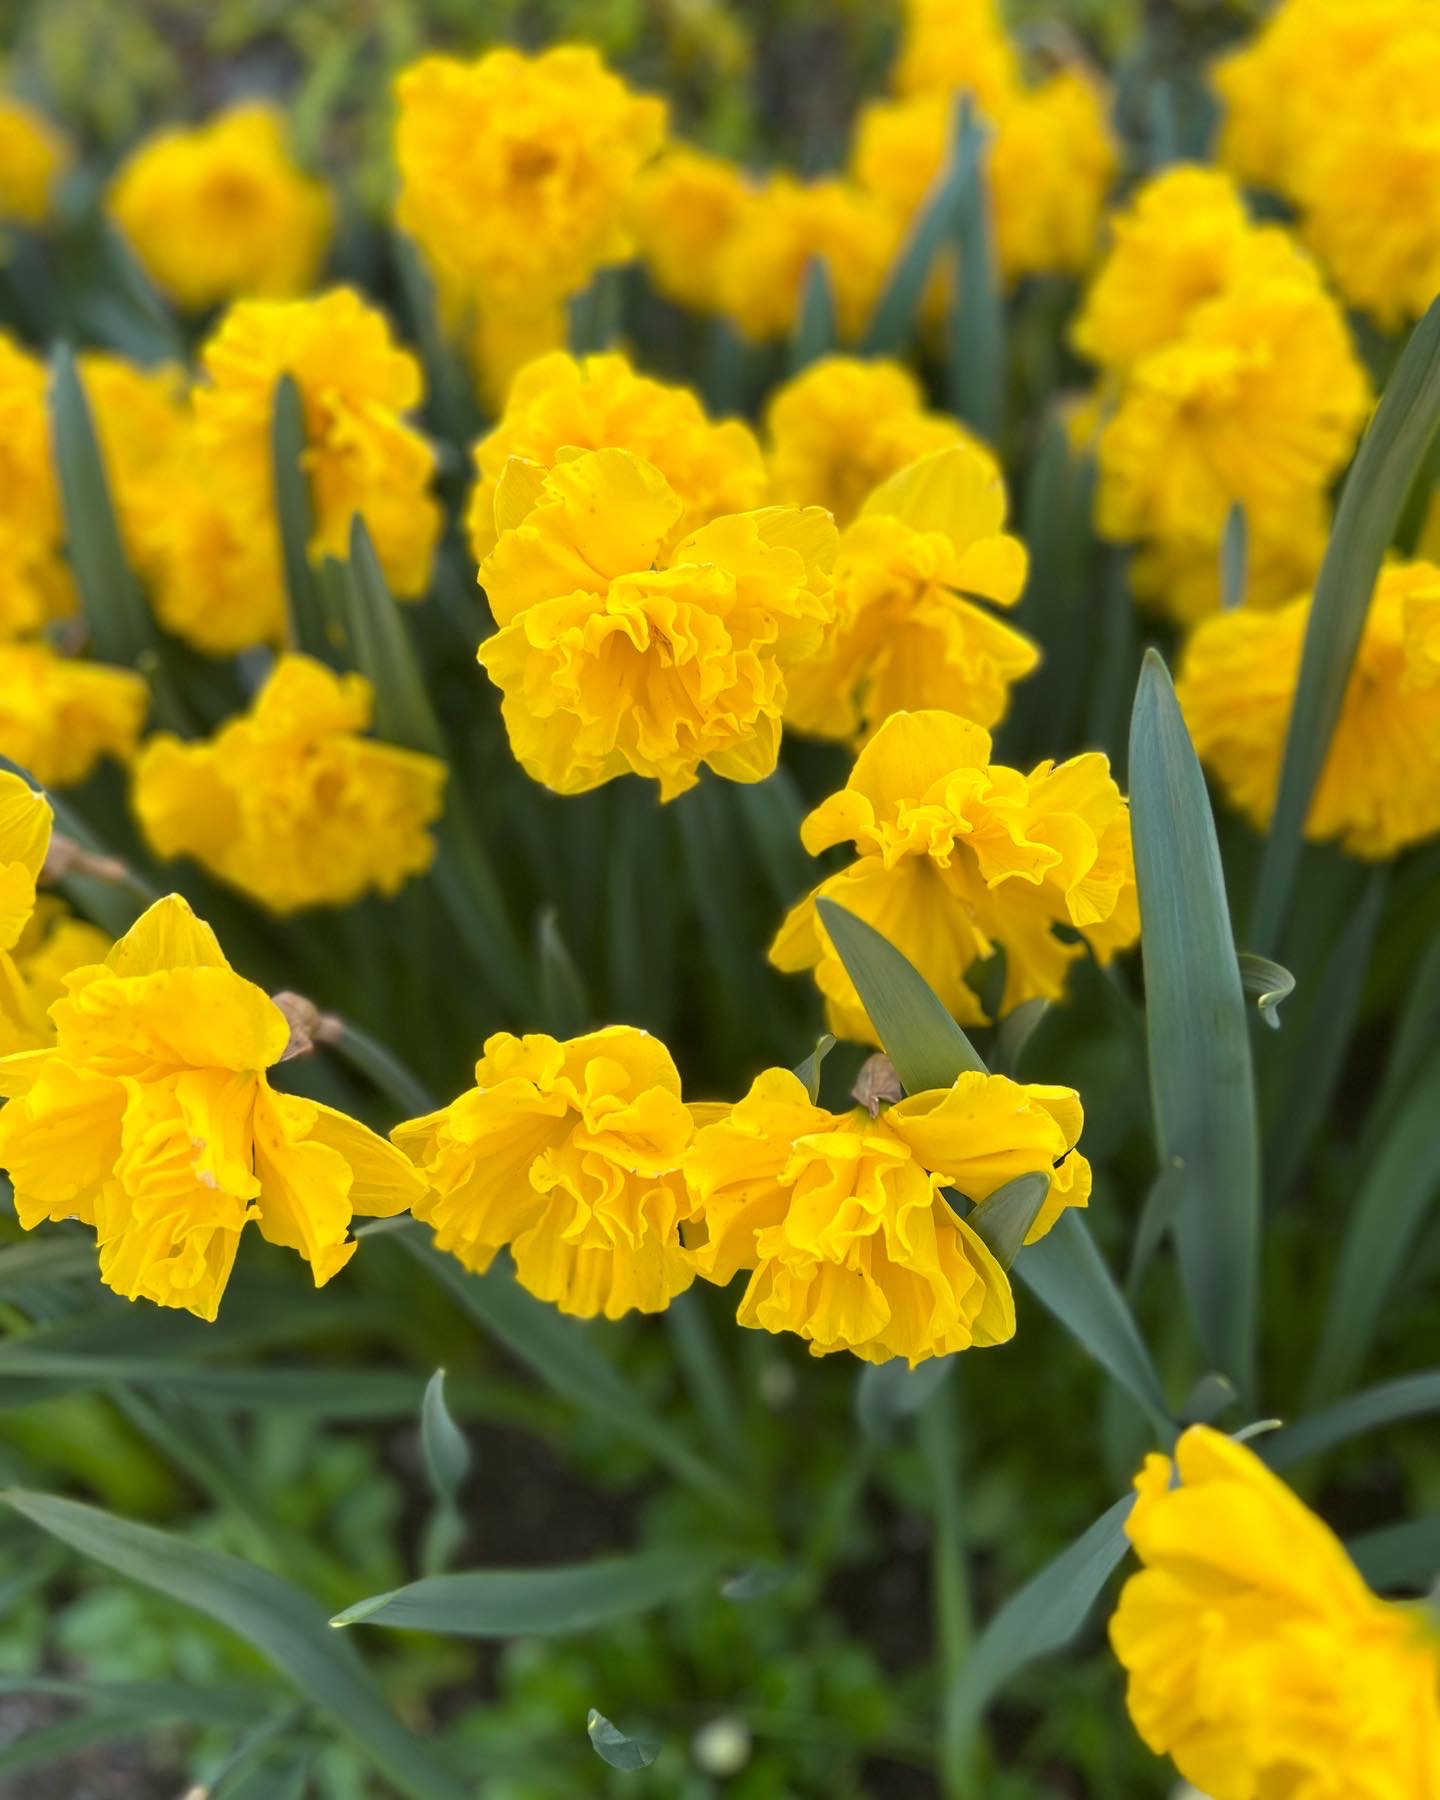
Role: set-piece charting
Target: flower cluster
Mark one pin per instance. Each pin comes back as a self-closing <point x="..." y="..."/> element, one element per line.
<point x="559" y="405"/>
<point x="1327" y="106"/>
<point x="222" y="211"/>
<point x="59" y="716"/>
<point x="907" y="633"/>
<point x="612" y="1195"/>
<point x="1379" y="790"/>
<point x="545" y="151"/>
<point x="151" y="1119"/>
<point x="33" y="159"/>
<point x="958" y="857"/>
<point x="1257" y="1657"/>
<point x="1230" y="380"/>
<point x="289" y="803"/>
<point x="615" y="654"/>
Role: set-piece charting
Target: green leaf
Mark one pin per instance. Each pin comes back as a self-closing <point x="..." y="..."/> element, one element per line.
<point x="1201" y="1082"/>
<point x="384" y="653"/>
<point x="888" y="1393"/>
<point x="504" y="1603"/>
<point x="900" y="301"/>
<point x="1405" y="1555"/>
<point x="815" y="331"/>
<point x="1393" y="449"/>
<point x="1234" y="559"/>
<point x="1045" y="1615"/>
<point x="443" y="1443"/>
<point x="1071" y="1280"/>
<point x="279" y="1621"/>
<point x="1003" y="1218"/>
<point x="808" y="1071"/>
<point x="1267" y="984"/>
<point x="564" y="1004"/>
<point x="563" y="1355"/>
<point x="1392" y="1403"/>
<point x="1013" y="1033"/>
<point x="977" y="312"/>
<point x="115" y="609"/>
<point x="612" y="1745"/>
<point x="1381" y="1229"/>
<point x="311" y="628"/>
<point x="927" y="1047"/>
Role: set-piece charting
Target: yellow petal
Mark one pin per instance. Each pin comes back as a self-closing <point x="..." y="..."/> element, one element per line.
<point x="167" y="936"/>
<point x="957" y="491"/>
<point x="383" y="1181"/>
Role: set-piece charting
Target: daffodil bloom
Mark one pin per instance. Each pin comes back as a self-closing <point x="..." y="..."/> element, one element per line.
<point x="842" y="1220"/>
<point x="221" y="210"/>
<point x="956" y="46"/>
<point x="1379" y="790"/>
<point x="545" y="149"/>
<point x="841" y="427"/>
<point x="1257" y="1657"/>
<point x="958" y="857"/>
<point x="34" y="585"/>
<point x="151" y="1119"/>
<point x="908" y="634"/>
<point x="615" y="656"/>
<point x="686" y="209"/>
<point x="33" y="158"/>
<point x="361" y="454"/>
<point x="290" y="803"/>
<point x="569" y="1154"/>
<point x="25" y="821"/>
<point x="59" y="716"/>
<point x="558" y="405"/>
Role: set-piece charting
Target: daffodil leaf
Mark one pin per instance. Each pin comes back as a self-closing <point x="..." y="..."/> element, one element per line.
<point x="927" y="1047"/>
<point x="1014" y="1032"/>
<point x="1267" y="983"/>
<point x="384" y="653"/>
<point x="1403" y="1556"/>
<point x="890" y="1392"/>
<point x="808" y="1071"/>
<point x="443" y="1443"/>
<point x="815" y="331"/>
<point x="1042" y="1618"/>
<point x="1234" y="559"/>
<point x="279" y="1621"/>
<point x="616" y="1748"/>
<point x="564" y="1005"/>
<point x="1393" y="449"/>
<point x="1201" y="1081"/>
<point x="977" y="311"/>
<point x="933" y="225"/>
<point x="553" y="1602"/>
<point x="1392" y="1403"/>
<point x="311" y="629"/>
<point x="1003" y="1219"/>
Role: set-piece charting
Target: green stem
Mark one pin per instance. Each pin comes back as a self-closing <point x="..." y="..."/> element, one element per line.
<point x="950" y="1589"/>
<point x="383" y="1069"/>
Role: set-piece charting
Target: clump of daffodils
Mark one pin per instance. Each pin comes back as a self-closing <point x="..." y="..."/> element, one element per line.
<point x="1379" y="790"/>
<point x="908" y="632"/>
<point x="957" y="857"/>
<point x="616" y="654"/>
<point x="1329" y="105"/>
<point x="221" y="210"/>
<point x="150" y="1118"/>
<point x="545" y="150"/>
<point x="1257" y="1657"/>
<point x="842" y="1221"/>
<point x="59" y="715"/>
<point x="1230" y="380"/>
<point x="559" y="405"/>
<point x="291" y="804"/>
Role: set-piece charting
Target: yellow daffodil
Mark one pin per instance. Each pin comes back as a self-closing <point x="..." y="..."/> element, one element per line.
<point x="34" y="156"/>
<point x="34" y="585"/>
<point x="956" y="46"/>
<point x="356" y="385"/>
<point x="53" y="943"/>
<point x="544" y="149"/>
<point x="907" y="633"/>
<point x="290" y="803"/>
<point x="842" y="426"/>
<point x="1257" y="1657"/>
<point x="686" y="209"/>
<point x="569" y="1154"/>
<point x="152" y="1120"/>
<point x="1379" y="790"/>
<point x="842" y="1221"/>
<point x="559" y="405"/>
<point x="614" y="656"/>
<point x="958" y="857"/>
<point x="59" y="716"/>
<point x="25" y="821"/>
<point x="221" y="211"/>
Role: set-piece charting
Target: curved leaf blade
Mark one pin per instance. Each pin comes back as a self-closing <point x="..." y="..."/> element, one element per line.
<point x="1201" y="1080"/>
